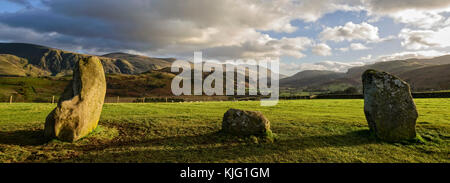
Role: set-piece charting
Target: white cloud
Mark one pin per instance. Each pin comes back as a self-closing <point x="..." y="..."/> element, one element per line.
<point x="292" y="68"/>
<point x="226" y="28"/>
<point x="312" y="10"/>
<point x="366" y="58"/>
<point x="261" y="48"/>
<point x="390" y="6"/>
<point x="420" y="19"/>
<point x="413" y="13"/>
<point x="422" y="39"/>
<point x="350" y="32"/>
<point x="407" y="55"/>
<point x="358" y="46"/>
<point x="322" y="49"/>
<point x="447" y="22"/>
<point x="343" y="49"/>
<point x="169" y="27"/>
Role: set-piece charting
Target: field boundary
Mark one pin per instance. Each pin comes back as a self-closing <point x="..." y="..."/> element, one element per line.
<point x="167" y="99"/>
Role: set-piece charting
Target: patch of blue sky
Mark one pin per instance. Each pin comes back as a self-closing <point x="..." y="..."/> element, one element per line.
<point x="386" y="27"/>
<point x="304" y="29"/>
<point x="340" y="18"/>
<point x="9" y="7"/>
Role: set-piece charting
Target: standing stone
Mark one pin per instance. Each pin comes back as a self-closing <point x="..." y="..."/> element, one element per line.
<point x="241" y="122"/>
<point x="80" y="106"/>
<point x="389" y="106"/>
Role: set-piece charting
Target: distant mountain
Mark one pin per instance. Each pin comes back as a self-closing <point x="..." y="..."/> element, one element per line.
<point x="311" y="80"/>
<point x="11" y="65"/>
<point x="422" y="74"/>
<point x="21" y="59"/>
<point x="59" y="62"/>
<point x="142" y="63"/>
<point x="428" y="78"/>
<point x="399" y="66"/>
<point x="310" y="77"/>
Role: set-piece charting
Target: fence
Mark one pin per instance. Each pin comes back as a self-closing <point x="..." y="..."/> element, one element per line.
<point x="153" y="99"/>
<point x="21" y="99"/>
<point x="360" y="96"/>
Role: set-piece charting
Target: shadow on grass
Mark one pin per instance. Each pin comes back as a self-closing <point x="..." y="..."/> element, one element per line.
<point x="178" y="141"/>
<point x="352" y="138"/>
<point x="23" y="137"/>
<point x="219" y="147"/>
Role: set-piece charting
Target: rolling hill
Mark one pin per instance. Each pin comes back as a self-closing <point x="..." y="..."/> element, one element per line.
<point x="310" y="78"/>
<point x="140" y="63"/>
<point x="399" y="66"/>
<point x="11" y="65"/>
<point x="136" y="75"/>
<point x="154" y="83"/>
<point x="422" y="74"/>
<point x="428" y="78"/>
<point x="56" y="62"/>
<point x="27" y="72"/>
<point x="42" y="89"/>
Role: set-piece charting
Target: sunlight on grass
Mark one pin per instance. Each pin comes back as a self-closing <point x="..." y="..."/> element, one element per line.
<point x="306" y="131"/>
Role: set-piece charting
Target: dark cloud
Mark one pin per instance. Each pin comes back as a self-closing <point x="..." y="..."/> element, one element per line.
<point x="225" y="27"/>
<point x="156" y="26"/>
<point x="46" y="21"/>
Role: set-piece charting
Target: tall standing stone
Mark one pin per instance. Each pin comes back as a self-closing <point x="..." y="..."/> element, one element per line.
<point x="389" y="106"/>
<point x="80" y="106"/>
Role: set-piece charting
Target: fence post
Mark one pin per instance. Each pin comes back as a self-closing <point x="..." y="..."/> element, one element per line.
<point x="10" y="99"/>
<point x="118" y="99"/>
<point x="53" y="99"/>
<point x="143" y="100"/>
<point x="166" y="99"/>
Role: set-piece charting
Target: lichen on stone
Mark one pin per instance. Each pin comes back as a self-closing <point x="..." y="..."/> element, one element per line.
<point x="80" y="105"/>
<point x="388" y="105"/>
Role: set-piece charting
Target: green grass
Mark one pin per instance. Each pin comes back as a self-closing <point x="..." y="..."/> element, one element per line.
<point x="305" y="131"/>
<point x="31" y="88"/>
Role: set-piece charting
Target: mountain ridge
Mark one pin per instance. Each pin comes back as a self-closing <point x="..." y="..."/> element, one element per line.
<point x="409" y="70"/>
<point x="23" y="59"/>
<point x="59" y="62"/>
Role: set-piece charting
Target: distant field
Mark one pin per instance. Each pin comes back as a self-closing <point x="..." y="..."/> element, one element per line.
<point x="306" y="130"/>
<point x="31" y="88"/>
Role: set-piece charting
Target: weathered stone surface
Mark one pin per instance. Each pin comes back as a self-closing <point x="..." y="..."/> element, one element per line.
<point x="80" y="105"/>
<point x="389" y="106"/>
<point x="240" y="122"/>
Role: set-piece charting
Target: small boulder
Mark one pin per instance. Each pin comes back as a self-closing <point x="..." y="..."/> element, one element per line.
<point x="240" y="122"/>
<point x="389" y="107"/>
<point x="80" y="106"/>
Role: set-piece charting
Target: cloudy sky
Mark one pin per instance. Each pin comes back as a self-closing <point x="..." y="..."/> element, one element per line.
<point x="304" y="34"/>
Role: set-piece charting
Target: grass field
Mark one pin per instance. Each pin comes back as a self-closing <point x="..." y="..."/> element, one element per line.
<point x="306" y="131"/>
<point x="31" y="89"/>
